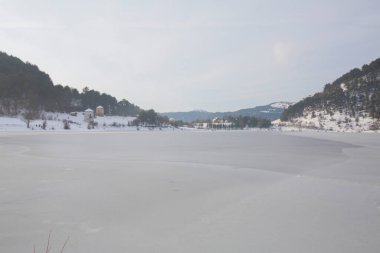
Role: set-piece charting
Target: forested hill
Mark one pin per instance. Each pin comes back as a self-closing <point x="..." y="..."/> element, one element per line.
<point x="24" y="87"/>
<point x="356" y="94"/>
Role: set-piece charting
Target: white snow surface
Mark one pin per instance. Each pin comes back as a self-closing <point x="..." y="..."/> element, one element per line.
<point x="204" y="192"/>
<point x="12" y="124"/>
<point x="55" y="122"/>
<point x="343" y="86"/>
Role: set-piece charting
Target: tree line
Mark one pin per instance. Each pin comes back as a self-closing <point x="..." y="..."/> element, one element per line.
<point x="26" y="89"/>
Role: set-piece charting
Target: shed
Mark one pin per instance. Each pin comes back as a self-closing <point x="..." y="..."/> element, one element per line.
<point x="99" y="111"/>
<point x="88" y="115"/>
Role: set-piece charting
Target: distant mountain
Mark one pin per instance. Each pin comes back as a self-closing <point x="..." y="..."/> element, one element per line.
<point x="351" y="102"/>
<point x="272" y="111"/>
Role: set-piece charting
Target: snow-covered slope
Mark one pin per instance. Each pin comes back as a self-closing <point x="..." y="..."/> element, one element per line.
<point x="55" y="121"/>
<point x="337" y="122"/>
<point x="350" y="103"/>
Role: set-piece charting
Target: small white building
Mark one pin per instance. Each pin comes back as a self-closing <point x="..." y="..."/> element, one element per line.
<point x="88" y="115"/>
<point x="99" y="111"/>
<point x="201" y="125"/>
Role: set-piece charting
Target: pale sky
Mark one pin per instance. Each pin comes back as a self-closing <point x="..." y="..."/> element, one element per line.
<point x="195" y="54"/>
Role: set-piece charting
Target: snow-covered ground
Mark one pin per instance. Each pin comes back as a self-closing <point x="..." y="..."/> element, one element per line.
<point x="337" y="122"/>
<point x="12" y="124"/>
<point x="319" y="120"/>
<point x="190" y="191"/>
<point x="55" y="122"/>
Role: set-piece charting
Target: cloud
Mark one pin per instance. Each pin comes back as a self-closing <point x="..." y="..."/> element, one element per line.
<point x="179" y="55"/>
<point x="28" y="25"/>
<point x="282" y="52"/>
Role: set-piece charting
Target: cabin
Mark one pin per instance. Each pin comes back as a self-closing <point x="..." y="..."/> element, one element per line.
<point x="88" y="115"/>
<point x="99" y="111"/>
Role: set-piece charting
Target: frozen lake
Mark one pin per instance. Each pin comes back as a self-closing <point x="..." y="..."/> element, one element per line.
<point x="192" y="192"/>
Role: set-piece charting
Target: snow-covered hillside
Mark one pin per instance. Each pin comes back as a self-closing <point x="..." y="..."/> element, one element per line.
<point x="350" y="103"/>
<point x="338" y="121"/>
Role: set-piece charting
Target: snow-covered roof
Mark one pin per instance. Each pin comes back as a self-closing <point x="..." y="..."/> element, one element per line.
<point x="88" y="110"/>
<point x="100" y="107"/>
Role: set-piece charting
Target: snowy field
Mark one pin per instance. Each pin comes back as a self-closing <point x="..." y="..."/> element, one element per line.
<point x="240" y="191"/>
<point x="55" y="122"/>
